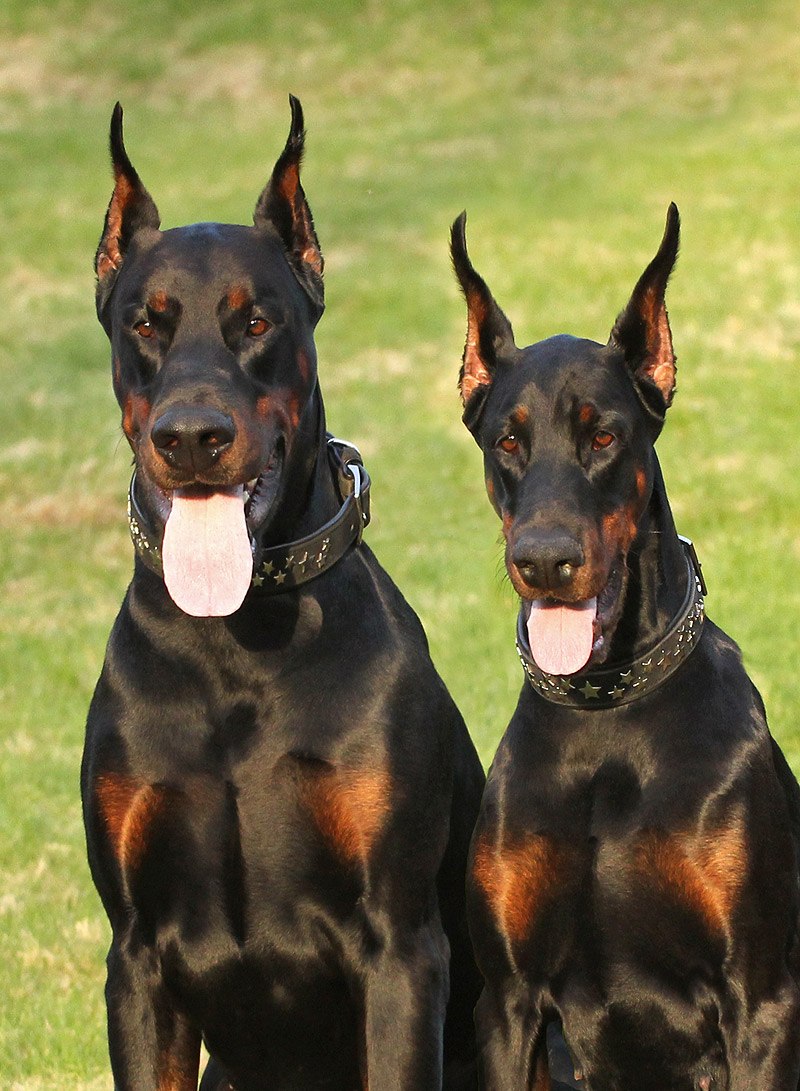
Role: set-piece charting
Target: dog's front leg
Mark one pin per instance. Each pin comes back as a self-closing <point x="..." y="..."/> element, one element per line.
<point x="153" y="1047"/>
<point x="405" y="989"/>
<point x="764" y="1050"/>
<point x="513" y="1055"/>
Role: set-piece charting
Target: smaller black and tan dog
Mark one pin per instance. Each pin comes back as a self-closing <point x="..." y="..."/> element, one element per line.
<point x="278" y="790"/>
<point x="634" y="871"/>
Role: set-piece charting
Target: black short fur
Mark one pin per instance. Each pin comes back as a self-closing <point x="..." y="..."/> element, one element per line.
<point x="278" y="803"/>
<point x="634" y="870"/>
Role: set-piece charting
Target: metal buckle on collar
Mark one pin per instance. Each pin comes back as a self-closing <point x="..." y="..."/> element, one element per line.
<point x="353" y="478"/>
<point x="691" y="553"/>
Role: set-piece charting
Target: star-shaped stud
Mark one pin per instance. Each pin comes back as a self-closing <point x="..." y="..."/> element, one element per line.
<point x="617" y="692"/>
<point x="280" y="577"/>
<point x="268" y="568"/>
<point x="258" y="581"/>
<point x="590" y="692"/>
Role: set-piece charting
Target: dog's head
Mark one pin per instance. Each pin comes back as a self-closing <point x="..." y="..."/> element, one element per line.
<point x="567" y="428"/>
<point x="214" y="366"/>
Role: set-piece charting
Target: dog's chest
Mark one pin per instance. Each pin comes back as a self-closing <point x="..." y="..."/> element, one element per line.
<point x="607" y="853"/>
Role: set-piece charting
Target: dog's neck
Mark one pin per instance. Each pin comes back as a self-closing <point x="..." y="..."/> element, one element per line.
<point x="657" y="576"/>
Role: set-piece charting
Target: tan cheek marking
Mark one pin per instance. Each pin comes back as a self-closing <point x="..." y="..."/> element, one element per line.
<point x="303" y="366"/>
<point x="619" y="530"/>
<point x="129" y="810"/>
<point x="517" y="880"/>
<point x="158" y="302"/>
<point x="704" y="871"/>
<point x="284" y="404"/>
<point x="641" y="482"/>
<point x="348" y="808"/>
<point x="116" y="372"/>
<point x="135" y="412"/>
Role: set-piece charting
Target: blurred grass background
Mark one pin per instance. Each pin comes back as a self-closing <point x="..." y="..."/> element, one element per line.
<point x="565" y="128"/>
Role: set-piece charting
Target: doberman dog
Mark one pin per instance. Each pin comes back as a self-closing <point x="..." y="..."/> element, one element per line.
<point x="634" y="870"/>
<point x="278" y="790"/>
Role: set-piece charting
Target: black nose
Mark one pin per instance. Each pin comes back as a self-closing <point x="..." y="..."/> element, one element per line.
<point x="191" y="438"/>
<point x="547" y="560"/>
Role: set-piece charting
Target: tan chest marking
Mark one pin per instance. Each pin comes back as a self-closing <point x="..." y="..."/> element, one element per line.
<point x="705" y="871"/>
<point x="129" y="810"/>
<point x="518" y="879"/>
<point x="348" y="807"/>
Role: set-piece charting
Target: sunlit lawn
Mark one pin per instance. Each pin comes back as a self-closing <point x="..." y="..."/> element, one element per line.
<point x="565" y="129"/>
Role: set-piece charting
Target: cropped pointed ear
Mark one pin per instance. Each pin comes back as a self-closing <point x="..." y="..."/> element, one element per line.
<point x="130" y="210"/>
<point x="489" y="332"/>
<point x="283" y="206"/>
<point x="642" y="329"/>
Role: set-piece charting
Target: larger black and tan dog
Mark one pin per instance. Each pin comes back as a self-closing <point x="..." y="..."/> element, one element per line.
<point x="634" y="872"/>
<point x="278" y="790"/>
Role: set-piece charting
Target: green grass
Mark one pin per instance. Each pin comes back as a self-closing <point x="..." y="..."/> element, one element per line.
<point x="565" y="129"/>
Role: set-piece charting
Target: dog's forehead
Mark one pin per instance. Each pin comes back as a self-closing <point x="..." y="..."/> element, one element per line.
<point x="573" y="367"/>
<point x="552" y="361"/>
<point x="208" y="258"/>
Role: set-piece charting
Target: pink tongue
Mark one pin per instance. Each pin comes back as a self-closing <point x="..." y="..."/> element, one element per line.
<point x="561" y="637"/>
<point x="208" y="563"/>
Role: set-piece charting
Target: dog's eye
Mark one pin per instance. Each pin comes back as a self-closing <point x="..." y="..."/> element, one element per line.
<point x="257" y="327"/>
<point x="144" y="329"/>
<point x="602" y="440"/>
<point x="509" y="444"/>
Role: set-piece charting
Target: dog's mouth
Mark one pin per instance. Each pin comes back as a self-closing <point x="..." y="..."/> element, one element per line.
<point x="565" y="636"/>
<point x="209" y="539"/>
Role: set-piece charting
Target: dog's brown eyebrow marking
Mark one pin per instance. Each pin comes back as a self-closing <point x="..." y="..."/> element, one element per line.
<point x="238" y="297"/>
<point x="158" y="302"/>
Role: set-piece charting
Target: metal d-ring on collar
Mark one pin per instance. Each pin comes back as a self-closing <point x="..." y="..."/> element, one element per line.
<point x="282" y="567"/>
<point x="611" y="686"/>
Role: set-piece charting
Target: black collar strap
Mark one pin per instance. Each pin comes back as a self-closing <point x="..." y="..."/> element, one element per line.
<point x="607" y="687"/>
<point x="282" y="567"/>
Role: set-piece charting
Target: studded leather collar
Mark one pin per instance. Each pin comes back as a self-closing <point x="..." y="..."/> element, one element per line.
<point x="282" y="567"/>
<point x="618" y="685"/>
